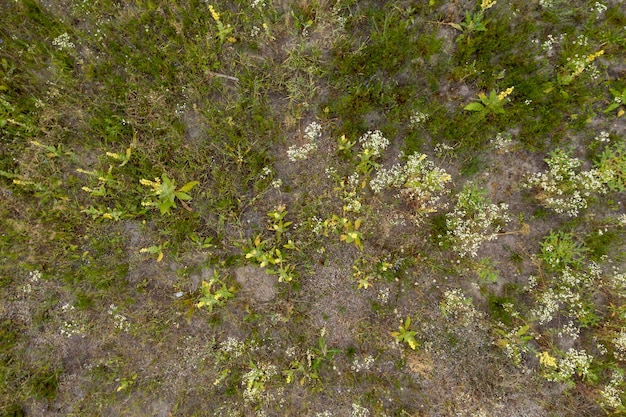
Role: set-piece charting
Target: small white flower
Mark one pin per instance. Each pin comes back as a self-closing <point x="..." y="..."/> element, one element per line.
<point x="63" y="43"/>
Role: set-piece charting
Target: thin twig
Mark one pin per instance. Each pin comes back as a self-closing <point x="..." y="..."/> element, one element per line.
<point x="228" y="77"/>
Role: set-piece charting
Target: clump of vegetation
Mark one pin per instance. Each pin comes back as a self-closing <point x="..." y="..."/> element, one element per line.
<point x="473" y="221"/>
<point x="565" y="190"/>
<point x="230" y="208"/>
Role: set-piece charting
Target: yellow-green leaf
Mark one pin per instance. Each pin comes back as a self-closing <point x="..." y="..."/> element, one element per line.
<point x="188" y="186"/>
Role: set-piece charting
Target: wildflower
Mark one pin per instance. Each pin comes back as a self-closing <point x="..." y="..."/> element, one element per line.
<point x="620" y="345"/>
<point x="502" y="142"/>
<point x="312" y="133"/>
<point x="358" y="411"/>
<point x="603" y="137"/>
<point x="612" y="393"/>
<point x="563" y="189"/>
<point x="374" y="141"/>
<point x="418" y="118"/>
<point x="546" y="360"/>
<point x="119" y="321"/>
<point x="233" y="347"/>
<point x="255" y="381"/>
<point x="592" y="57"/>
<point x="570" y="330"/>
<point x="487" y="4"/>
<point x="420" y="182"/>
<point x="265" y="172"/>
<point x="359" y="366"/>
<point x="63" y="43"/>
<point x="34" y="276"/>
<point x="504" y="94"/>
<point x="474" y="221"/>
<point x="457" y="307"/>
<point x="599" y="8"/>
<point x="82" y="171"/>
<point x="214" y="14"/>
<point x="301" y="153"/>
<point x="548" y="305"/>
<point x="149" y="183"/>
<point x="574" y="362"/>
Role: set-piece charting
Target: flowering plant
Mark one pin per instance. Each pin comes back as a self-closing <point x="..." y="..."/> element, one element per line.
<point x="490" y="104"/>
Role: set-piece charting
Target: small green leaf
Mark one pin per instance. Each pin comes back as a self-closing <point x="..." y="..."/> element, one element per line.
<point x="187" y="187"/>
<point x="612" y="107"/>
<point x="182" y="196"/>
<point x="474" y="107"/>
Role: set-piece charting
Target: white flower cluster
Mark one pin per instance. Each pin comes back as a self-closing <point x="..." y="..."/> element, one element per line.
<point x="383" y="295"/>
<point x="618" y="280"/>
<point x="119" y="320"/>
<point x="474" y="221"/>
<point x="564" y="190"/>
<point x="63" y="43"/>
<point x="386" y="178"/>
<point x="311" y="133"/>
<point x="317" y="225"/>
<point x="233" y="346"/>
<point x="33" y="278"/>
<point x="620" y="345"/>
<point x="358" y="411"/>
<point x="351" y="193"/>
<point x="443" y="150"/>
<point x="365" y="365"/>
<point x="569" y="330"/>
<point x="70" y="327"/>
<point x="548" y="305"/>
<point x="503" y="142"/>
<point x="599" y="8"/>
<point x="421" y="183"/>
<point x="611" y="395"/>
<point x="265" y="172"/>
<point x="455" y="306"/>
<point x="374" y="141"/>
<point x="574" y="362"/>
<point x="513" y="345"/>
<point x="569" y="290"/>
<point x="417" y="119"/>
<point x="255" y="380"/>
<point x="603" y="137"/>
<point x="548" y="44"/>
<point x="581" y="40"/>
<point x="577" y="64"/>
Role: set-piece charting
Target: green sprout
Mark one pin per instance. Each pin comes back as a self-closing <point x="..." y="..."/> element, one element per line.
<point x="405" y="335"/>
